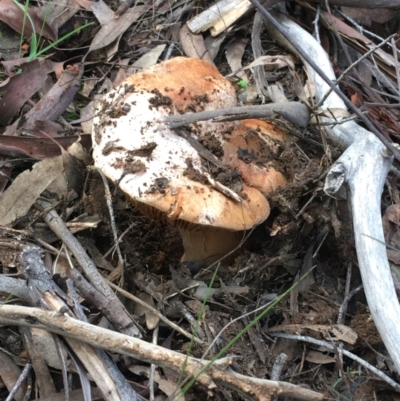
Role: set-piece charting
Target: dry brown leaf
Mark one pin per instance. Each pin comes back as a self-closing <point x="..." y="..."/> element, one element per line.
<point x="10" y="43"/>
<point x="361" y="43"/>
<point x="150" y="58"/>
<point x="330" y="113"/>
<point x="19" y="146"/>
<point x="102" y="12"/>
<point x="97" y="256"/>
<point x="213" y="45"/>
<point x="16" y="90"/>
<point x="44" y="342"/>
<point x="13" y="16"/>
<point x="151" y="319"/>
<point x="74" y="168"/>
<point x="10" y="373"/>
<point x="122" y="72"/>
<point x="116" y="27"/>
<point x="86" y="4"/>
<point x="365" y="16"/>
<point x="193" y="44"/>
<point x="87" y="113"/>
<point x="391" y="229"/>
<point x="272" y="62"/>
<point x="54" y="102"/>
<point x="25" y="189"/>
<point x="234" y="53"/>
<point x="57" y="13"/>
<point x="335" y="332"/>
<point x="168" y="387"/>
<point x="394" y="257"/>
<point x="318" y="357"/>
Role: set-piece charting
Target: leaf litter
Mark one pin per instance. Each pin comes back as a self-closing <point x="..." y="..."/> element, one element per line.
<point x="151" y="249"/>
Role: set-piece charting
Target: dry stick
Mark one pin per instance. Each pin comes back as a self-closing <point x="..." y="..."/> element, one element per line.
<point x="343" y="309"/>
<point x="91" y="294"/>
<point x="119" y="240"/>
<point x="353" y="65"/>
<point x="277" y="369"/>
<point x="174" y="326"/>
<point x="295" y="112"/>
<point x="18" y="287"/>
<point x="321" y="343"/>
<point x="112" y="216"/>
<point x="125" y="322"/>
<point x="125" y="390"/>
<point x="361" y="29"/>
<point x="43" y="378"/>
<point x="260" y="76"/>
<point x="252" y="388"/>
<point x="53" y="297"/>
<point x="153" y="367"/>
<point x="363" y="167"/>
<point x="396" y="61"/>
<point x="343" y="306"/>
<point x="19" y="382"/>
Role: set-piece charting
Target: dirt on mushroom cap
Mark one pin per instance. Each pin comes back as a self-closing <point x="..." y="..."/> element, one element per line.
<point x="148" y="161"/>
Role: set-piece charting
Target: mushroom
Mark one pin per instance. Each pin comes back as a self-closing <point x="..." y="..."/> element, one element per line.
<point x="212" y="200"/>
<point x="252" y="149"/>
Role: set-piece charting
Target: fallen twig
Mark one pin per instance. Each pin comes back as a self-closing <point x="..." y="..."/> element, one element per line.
<point x="325" y="344"/>
<point x="156" y="312"/>
<point x="57" y="322"/>
<point x="121" y="318"/>
<point x="294" y="112"/>
<point x="97" y="364"/>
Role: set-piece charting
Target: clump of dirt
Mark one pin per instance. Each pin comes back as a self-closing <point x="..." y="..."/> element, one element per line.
<point x="159" y="186"/>
<point x="129" y="166"/>
<point x="193" y="174"/>
<point x="212" y="143"/>
<point x="144" y="151"/>
<point x="159" y="99"/>
<point x="246" y="156"/>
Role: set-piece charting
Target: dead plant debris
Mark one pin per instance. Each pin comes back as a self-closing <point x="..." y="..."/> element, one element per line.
<point x="67" y="241"/>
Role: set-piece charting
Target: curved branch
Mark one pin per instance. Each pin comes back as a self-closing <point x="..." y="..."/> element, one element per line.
<point x="363" y="167"/>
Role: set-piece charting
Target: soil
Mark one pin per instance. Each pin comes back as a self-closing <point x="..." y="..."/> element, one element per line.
<point x="275" y="252"/>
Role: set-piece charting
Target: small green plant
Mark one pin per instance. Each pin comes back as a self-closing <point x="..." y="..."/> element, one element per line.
<point x="7" y="300"/>
<point x="243" y="84"/>
<point x="34" y="48"/>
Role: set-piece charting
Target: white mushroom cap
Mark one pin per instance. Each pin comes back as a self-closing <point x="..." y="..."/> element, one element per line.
<point x="155" y="166"/>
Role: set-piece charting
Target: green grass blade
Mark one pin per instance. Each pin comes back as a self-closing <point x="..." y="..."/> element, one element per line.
<point x="25" y="8"/>
<point x="55" y="43"/>
<point x="200" y="316"/>
<point x="238" y="336"/>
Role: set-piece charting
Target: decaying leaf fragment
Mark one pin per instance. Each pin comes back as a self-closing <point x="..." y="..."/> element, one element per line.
<point x="336" y="332"/>
<point x="25" y="189"/>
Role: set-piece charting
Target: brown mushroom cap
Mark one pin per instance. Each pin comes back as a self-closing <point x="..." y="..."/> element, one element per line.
<point x="193" y="85"/>
<point x="160" y="170"/>
<point x="260" y="140"/>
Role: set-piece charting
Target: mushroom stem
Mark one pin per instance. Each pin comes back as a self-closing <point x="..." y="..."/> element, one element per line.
<point x="207" y="243"/>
